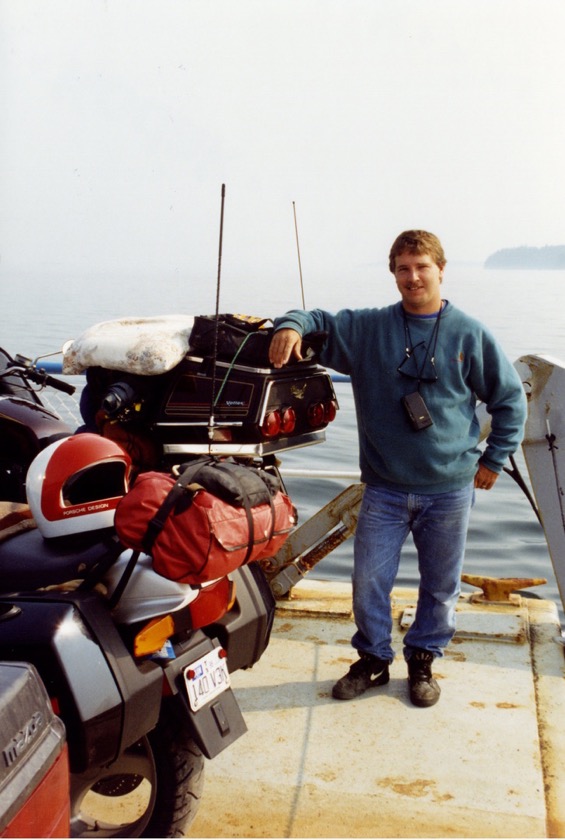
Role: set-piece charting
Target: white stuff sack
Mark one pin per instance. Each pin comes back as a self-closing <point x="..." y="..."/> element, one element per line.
<point x="146" y="346"/>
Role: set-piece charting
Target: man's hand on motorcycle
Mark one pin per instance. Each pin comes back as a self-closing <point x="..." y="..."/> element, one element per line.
<point x="284" y="346"/>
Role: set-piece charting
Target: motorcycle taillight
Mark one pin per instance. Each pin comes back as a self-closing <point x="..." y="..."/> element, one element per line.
<point x="330" y="411"/>
<point x="321" y="413"/>
<point x="288" y="420"/>
<point x="271" y="424"/>
<point x="316" y="414"/>
<point x="213" y="601"/>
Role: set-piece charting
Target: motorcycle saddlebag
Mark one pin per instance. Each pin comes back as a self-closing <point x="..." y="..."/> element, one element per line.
<point x="195" y="536"/>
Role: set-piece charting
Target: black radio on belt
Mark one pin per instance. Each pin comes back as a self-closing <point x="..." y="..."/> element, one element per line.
<point x="417" y="411"/>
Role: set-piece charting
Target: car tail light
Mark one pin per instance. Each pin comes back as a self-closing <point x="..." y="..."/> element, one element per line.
<point x="46" y="812"/>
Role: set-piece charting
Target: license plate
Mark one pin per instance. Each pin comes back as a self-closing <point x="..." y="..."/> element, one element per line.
<point x="206" y="678"/>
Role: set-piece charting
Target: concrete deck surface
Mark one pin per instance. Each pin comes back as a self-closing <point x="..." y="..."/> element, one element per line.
<point x="487" y="761"/>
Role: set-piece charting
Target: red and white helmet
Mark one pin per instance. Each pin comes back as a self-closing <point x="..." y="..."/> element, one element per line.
<point x="75" y="484"/>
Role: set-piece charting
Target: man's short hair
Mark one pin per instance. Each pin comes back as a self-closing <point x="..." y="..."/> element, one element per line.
<point x="417" y="242"/>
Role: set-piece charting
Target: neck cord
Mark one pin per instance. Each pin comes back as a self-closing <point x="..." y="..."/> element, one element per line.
<point x="430" y="349"/>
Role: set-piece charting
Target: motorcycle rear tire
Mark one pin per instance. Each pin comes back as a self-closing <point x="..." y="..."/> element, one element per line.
<point x="158" y="780"/>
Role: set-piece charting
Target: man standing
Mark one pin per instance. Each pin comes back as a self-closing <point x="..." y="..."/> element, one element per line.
<point x="417" y="369"/>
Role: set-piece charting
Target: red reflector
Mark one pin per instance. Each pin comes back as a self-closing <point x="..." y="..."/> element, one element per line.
<point x="316" y="414"/>
<point x="271" y="424"/>
<point x="288" y="420"/>
<point x="223" y="654"/>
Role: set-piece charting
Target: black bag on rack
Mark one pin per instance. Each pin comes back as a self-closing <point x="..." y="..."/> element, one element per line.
<point x="245" y="339"/>
<point x="241" y="338"/>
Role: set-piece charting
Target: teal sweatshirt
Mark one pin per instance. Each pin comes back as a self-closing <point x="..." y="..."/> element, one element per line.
<point x="370" y="345"/>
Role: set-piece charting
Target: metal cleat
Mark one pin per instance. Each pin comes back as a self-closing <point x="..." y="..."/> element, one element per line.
<point x="499" y="589"/>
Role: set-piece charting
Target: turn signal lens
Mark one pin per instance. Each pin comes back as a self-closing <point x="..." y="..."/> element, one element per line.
<point x="153" y="636"/>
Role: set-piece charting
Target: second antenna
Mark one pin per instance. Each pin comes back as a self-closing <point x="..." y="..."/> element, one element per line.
<point x="298" y="251"/>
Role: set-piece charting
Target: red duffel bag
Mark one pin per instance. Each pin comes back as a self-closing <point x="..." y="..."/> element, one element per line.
<point x="195" y="536"/>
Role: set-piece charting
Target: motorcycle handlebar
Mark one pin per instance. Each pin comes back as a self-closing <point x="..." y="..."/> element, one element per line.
<point x="66" y="387"/>
<point x="39" y="376"/>
<point x="42" y="378"/>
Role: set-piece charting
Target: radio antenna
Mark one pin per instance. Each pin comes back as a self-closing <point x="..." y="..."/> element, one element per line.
<point x="298" y="251"/>
<point x="217" y="319"/>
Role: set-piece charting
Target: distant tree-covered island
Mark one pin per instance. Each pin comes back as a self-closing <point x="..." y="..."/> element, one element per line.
<point x="550" y="257"/>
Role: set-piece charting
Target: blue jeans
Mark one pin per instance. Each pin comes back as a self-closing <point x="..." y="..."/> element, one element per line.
<point x="439" y="528"/>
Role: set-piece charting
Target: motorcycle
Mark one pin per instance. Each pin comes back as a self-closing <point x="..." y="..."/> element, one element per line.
<point x="138" y="666"/>
<point x="221" y="397"/>
<point x="27" y="425"/>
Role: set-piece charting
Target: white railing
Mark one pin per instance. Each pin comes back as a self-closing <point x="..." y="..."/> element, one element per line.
<point x="293" y="472"/>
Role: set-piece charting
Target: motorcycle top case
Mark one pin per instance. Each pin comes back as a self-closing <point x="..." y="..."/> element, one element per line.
<point x="203" y="537"/>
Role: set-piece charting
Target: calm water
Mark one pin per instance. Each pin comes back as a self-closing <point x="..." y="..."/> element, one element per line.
<point x="523" y="308"/>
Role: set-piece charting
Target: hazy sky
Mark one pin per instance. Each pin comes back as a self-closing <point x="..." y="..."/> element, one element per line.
<point x="121" y="120"/>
